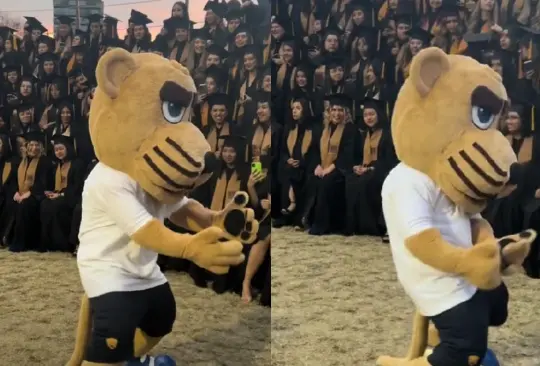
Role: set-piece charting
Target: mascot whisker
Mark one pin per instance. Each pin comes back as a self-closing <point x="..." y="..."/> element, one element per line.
<point x="150" y="157"/>
<point x="453" y="162"/>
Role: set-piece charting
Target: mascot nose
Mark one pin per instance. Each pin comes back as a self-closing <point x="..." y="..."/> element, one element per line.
<point x="210" y="163"/>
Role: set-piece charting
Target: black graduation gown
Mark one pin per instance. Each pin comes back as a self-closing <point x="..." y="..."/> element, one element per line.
<point x="25" y="235"/>
<point x="325" y="199"/>
<point x="7" y="191"/>
<point x="56" y="214"/>
<point x="291" y="177"/>
<point x="77" y="211"/>
<point x="363" y="192"/>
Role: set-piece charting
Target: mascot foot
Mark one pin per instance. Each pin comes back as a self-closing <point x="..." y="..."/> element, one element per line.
<point x="162" y="360"/>
<point x="515" y="248"/>
<point x="394" y="361"/>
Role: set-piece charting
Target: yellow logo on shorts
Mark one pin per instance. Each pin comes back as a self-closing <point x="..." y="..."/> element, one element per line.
<point x="112" y="343"/>
<point x="473" y="360"/>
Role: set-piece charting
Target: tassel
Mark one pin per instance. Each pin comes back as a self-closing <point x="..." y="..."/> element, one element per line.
<point x="532" y="118"/>
<point x="520" y="67"/>
<point x="530" y="50"/>
<point x="378" y="41"/>
<point x="383" y="70"/>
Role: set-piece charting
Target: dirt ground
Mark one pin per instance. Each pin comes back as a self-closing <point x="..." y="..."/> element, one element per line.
<point x="337" y="301"/>
<point x="39" y="302"/>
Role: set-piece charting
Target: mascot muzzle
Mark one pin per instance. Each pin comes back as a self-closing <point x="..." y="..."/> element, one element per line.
<point x="475" y="169"/>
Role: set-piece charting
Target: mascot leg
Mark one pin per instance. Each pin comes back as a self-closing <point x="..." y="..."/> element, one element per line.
<point x="84" y="329"/>
<point x="143" y="343"/>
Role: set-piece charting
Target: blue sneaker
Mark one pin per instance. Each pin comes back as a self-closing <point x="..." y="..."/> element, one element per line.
<point x="490" y="359"/>
<point x="162" y="360"/>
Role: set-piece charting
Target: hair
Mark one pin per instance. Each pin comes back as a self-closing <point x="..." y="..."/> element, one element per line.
<point x="475" y="20"/>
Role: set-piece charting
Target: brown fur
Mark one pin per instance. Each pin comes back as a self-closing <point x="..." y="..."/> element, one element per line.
<point x="433" y="128"/>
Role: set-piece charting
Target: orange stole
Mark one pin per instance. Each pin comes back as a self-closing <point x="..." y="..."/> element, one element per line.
<point x="458" y="47"/>
<point x="213" y="137"/>
<point x="262" y="141"/>
<point x="371" y="147"/>
<point x="524" y="154"/>
<point x="204" y="114"/>
<point x="6" y="172"/>
<point x="61" y="176"/>
<point x="330" y="144"/>
<point x="292" y="137"/>
<point x="27" y="174"/>
<point x="225" y="190"/>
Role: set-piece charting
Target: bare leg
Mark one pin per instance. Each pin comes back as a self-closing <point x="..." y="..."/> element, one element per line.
<point x="292" y="202"/>
<point x="143" y="343"/>
<point x="255" y="259"/>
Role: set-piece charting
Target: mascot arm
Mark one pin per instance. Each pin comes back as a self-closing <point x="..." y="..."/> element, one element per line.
<point x="481" y="229"/>
<point x="193" y="216"/>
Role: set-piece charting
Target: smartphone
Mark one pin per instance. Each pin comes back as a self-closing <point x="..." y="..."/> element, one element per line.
<point x="256" y="167"/>
<point x="528" y="66"/>
<point x="203" y="89"/>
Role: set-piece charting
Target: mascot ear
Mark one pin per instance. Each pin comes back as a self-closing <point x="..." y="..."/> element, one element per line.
<point x="427" y="67"/>
<point x="113" y="68"/>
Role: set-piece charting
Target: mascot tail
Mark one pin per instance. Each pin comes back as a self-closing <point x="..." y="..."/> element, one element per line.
<point x="419" y="339"/>
<point x="83" y="333"/>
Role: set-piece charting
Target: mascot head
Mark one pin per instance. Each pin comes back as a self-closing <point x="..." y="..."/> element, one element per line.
<point x="139" y="124"/>
<point x="445" y="125"/>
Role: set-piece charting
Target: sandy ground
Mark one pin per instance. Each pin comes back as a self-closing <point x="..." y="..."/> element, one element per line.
<point x="39" y="302"/>
<point x="336" y="301"/>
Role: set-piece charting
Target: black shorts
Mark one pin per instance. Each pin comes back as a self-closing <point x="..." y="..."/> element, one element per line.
<point x="116" y="316"/>
<point x="463" y="329"/>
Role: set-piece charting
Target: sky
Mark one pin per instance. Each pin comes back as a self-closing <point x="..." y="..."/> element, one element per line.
<point x="157" y="10"/>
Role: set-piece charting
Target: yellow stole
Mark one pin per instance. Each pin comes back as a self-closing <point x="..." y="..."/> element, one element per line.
<point x="524" y="154"/>
<point x="293" y="136"/>
<point x="204" y="114"/>
<point x="213" y="137"/>
<point x="458" y="47"/>
<point x="308" y="23"/>
<point x="6" y="172"/>
<point x="330" y="144"/>
<point x="262" y="141"/>
<point x="61" y="176"/>
<point x="371" y="147"/>
<point x="185" y="53"/>
<point x="27" y="174"/>
<point x="281" y="73"/>
<point x="486" y="28"/>
<point x="225" y="190"/>
<point x="239" y="107"/>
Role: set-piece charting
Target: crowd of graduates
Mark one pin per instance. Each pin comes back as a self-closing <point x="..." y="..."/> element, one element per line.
<point x="337" y="67"/>
<point x="46" y="151"/>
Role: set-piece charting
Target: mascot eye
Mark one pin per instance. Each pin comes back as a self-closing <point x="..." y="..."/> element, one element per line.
<point x="173" y="112"/>
<point x="482" y="117"/>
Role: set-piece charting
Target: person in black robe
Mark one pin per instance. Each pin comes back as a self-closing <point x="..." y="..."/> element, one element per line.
<point x="61" y="198"/>
<point x="31" y="180"/>
<point x="219" y="123"/>
<point x="231" y="177"/>
<point x="8" y="166"/>
<point x="296" y="159"/>
<point x="374" y="157"/>
<point x="326" y="201"/>
<point x="77" y="213"/>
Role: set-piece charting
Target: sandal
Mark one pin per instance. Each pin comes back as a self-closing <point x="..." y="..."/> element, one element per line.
<point x="289" y="210"/>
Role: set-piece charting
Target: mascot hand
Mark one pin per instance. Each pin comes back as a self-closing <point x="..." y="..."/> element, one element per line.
<point x="515" y="248"/>
<point x="481" y="265"/>
<point x="207" y="251"/>
<point x="237" y="221"/>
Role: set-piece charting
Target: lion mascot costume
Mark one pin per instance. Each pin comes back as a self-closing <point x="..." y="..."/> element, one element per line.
<point x="150" y="157"/>
<point x="453" y="161"/>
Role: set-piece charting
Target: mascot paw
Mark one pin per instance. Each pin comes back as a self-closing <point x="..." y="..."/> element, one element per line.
<point x="237" y="221"/>
<point x="482" y="265"/>
<point x="515" y="248"/>
<point x="208" y="251"/>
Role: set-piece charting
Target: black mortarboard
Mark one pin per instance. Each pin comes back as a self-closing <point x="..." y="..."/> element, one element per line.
<point x="369" y="33"/>
<point x="214" y="49"/>
<point x="342" y="100"/>
<point x="253" y="49"/>
<point x="12" y="67"/>
<point x="35" y="24"/>
<point x="242" y="28"/>
<point x="94" y="18"/>
<point x="320" y="15"/>
<point x="37" y="136"/>
<point x="378" y="105"/>
<point x="139" y="18"/>
<point x="364" y="5"/>
<point x="333" y="29"/>
<point x="160" y="45"/>
<point x="262" y="96"/>
<point x="233" y="14"/>
<point x="63" y="140"/>
<point x="219" y="99"/>
<point x="235" y="141"/>
<point x="110" y="20"/>
<point x="217" y="73"/>
<point x="420" y="34"/>
<point x="200" y="33"/>
<point x="333" y="62"/>
<point x="404" y="19"/>
<point x="7" y="32"/>
<point x="24" y="107"/>
<point x="174" y="23"/>
<point x="479" y="44"/>
<point x="283" y="21"/>
<point x="80" y="32"/>
<point x="47" y="40"/>
<point x="220" y="9"/>
<point x="63" y="19"/>
<point x="60" y="80"/>
<point x="113" y="42"/>
<point x="79" y="49"/>
<point x="48" y="56"/>
<point x="449" y="9"/>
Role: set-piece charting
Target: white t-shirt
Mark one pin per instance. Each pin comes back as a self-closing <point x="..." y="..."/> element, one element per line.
<point x="412" y="203"/>
<point x="114" y="207"/>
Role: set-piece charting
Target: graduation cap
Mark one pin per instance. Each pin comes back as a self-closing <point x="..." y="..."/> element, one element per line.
<point x="253" y="49"/>
<point x="94" y="18"/>
<point x="341" y="100"/>
<point x="48" y="56"/>
<point x="219" y="99"/>
<point x="404" y="18"/>
<point x="35" y="24"/>
<point x="368" y="33"/>
<point x="262" y="96"/>
<point x="174" y="23"/>
<point x="63" y="140"/>
<point x="214" y="49"/>
<point x="334" y="62"/>
<point x="80" y="32"/>
<point x="138" y="18"/>
<point x="63" y="19"/>
<point x="237" y="142"/>
<point x="79" y="49"/>
<point x="242" y="28"/>
<point x="201" y="33"/>
<point x="234" y="14"/>
<point x="7" y="32"/>
<point x="217" y="73"/>
<point x="35" y="136"/>
<point x="478" y="45"/>
<point x="110" y="20"/>
<point x="449" y="9"/>
<point x="47" y="40"/>
<point x="333" y="30"/>
<point x="113" y="43"/>
<point x="220" y="9"/>
<point x="160" y="45"/>
<point x="420" y="34"/>
<point x="13" y="67"/>
<point x="371" y="103"/>
<point x="284" y="22"/>
<point x="24" y="107"/>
